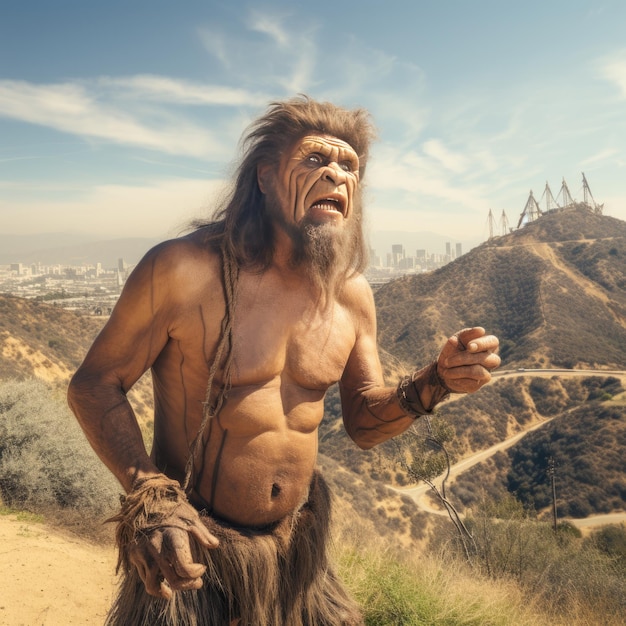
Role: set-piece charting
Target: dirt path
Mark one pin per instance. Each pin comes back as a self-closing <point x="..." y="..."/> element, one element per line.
<point x="50" y="578"/>
<point x="421" y="493"/>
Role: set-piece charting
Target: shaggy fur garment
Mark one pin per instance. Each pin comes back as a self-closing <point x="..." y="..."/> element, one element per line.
<point x="276" y="576"/>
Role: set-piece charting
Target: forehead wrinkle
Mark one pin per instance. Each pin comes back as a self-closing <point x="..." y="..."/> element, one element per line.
<point x="328" y="146"/>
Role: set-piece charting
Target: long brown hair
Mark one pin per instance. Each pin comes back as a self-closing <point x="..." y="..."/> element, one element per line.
<point x="242" y="225"/>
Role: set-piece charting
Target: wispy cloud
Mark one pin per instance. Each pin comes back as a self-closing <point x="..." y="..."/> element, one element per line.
<point x="72" y="108"/>
<point x="165" y="89"/>
<point x="270" y="25"/>
<point x="599" y="157"/>
<point x="451" y="161"/>
<point x="283" y="62"/>
<point x="413" y="173"/>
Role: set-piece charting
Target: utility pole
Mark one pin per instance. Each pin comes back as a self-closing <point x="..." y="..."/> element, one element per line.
<point x="552" y="474"/>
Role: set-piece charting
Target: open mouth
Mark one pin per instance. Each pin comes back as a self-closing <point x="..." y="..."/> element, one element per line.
<point x="329" y="205"/>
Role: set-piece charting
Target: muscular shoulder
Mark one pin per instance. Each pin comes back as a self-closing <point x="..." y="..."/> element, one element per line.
<point x="185" y="253"/>
<point x="177" y="269"/>
<point x="357" y="297"/>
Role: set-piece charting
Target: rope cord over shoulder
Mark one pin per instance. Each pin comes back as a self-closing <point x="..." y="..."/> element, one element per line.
<point x="230" y="275"/>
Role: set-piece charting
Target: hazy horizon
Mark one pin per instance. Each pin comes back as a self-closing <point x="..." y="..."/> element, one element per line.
<point x="52" y="248"/>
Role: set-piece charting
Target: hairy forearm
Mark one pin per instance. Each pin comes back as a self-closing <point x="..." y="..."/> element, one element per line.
<point x="110" y="425"/>
<point x="373" y="415"/>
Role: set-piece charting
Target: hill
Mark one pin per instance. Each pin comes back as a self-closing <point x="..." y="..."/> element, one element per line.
<point x="40" y="340"/>
<point x="552" y="291"/>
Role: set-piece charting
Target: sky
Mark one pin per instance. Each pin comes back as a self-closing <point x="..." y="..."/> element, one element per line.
<point x="122" y="118"/>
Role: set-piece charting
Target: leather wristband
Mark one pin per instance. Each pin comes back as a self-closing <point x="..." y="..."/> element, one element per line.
<point x="409" y="387"/>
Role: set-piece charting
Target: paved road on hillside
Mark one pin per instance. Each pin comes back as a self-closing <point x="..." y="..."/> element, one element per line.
<point x="419" y="494"/>
<point x="522" y="371"/>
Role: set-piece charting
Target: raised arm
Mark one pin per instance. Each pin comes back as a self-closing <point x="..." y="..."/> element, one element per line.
<point x="373" y="412"/>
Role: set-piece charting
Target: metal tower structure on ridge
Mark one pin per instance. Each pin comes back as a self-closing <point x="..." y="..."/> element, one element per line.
<point x="566" y="196"/>
<point x="504" y="223"/>
<point x="531" y="211"/>
<point x="587" y="196"/>
<point x="550" y="201"/>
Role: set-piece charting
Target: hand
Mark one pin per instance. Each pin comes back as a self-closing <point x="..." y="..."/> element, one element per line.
<point x="162" y="555"/>
<point x="466" y="361"/>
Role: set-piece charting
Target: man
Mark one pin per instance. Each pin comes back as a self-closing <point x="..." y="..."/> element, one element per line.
<point x="245" y="323"/>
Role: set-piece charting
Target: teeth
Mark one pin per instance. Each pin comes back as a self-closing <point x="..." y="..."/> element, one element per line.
<point x="327" y="204"/>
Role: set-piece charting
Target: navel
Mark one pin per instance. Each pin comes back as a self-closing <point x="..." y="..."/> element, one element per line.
<point x="275" y="490"/>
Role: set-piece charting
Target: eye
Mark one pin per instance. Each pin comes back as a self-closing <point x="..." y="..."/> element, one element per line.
<point x="314" y="159"/>
<point x="346" y="166"/>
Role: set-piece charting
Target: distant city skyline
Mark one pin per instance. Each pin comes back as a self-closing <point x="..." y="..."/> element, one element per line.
<point x="122" y="119"/>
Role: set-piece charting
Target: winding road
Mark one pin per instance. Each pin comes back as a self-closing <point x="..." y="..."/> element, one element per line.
<point x="420" y="492"/>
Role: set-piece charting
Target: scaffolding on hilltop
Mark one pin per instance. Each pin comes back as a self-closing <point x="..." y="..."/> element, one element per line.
<point x="533" y="210"/>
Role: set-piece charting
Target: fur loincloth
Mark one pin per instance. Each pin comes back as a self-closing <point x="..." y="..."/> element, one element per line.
<point x="278" y="576"/>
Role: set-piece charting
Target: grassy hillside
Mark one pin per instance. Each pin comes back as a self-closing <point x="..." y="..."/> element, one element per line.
<point x="585" y="444"/>
<point x="35" y="337"/>
<point x="48" y="342"/>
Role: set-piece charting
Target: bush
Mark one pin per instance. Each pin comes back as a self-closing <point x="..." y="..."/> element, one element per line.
<point x="567" y="573"/>
<point x="611" y="540"/>
<point x="45" y="461"/>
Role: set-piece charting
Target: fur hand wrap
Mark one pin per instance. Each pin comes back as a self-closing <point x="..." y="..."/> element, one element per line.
<point x="410" y="388"/>
<point x="153" y="503"/>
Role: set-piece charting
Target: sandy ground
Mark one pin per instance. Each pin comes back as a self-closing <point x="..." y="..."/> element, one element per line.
<point x="51" y="578"/>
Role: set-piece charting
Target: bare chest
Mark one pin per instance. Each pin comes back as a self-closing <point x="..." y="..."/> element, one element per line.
<point x="283" y="333"/>
<point x="278" y="332"/>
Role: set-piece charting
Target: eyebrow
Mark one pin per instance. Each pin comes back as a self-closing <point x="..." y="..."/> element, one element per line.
<point x="346" y="151"/>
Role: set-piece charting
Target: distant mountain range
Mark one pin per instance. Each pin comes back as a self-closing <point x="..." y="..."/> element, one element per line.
<point x="72" y="249"/>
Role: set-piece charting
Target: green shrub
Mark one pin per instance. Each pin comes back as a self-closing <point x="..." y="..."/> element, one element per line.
<point x="45" y="460"/>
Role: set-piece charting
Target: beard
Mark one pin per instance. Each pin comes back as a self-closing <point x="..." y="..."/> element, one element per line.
<point x="327" y="251"/>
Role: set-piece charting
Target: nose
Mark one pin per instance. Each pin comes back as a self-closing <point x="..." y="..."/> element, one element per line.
<point x="334" y="174"/>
